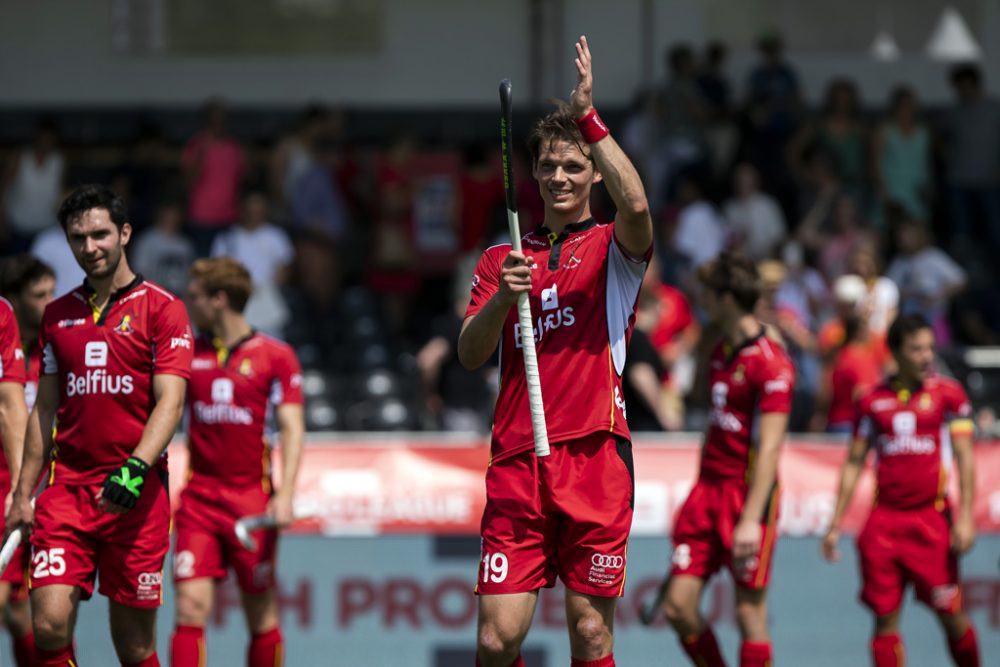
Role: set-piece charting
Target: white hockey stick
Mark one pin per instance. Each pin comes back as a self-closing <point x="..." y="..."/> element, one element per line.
<point x="248" y="524"/>
<point x="523" y="305"/>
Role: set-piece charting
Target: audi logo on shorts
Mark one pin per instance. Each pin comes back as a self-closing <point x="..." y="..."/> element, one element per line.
<point x="604" y="560"/>
<point x="150" y="578"/>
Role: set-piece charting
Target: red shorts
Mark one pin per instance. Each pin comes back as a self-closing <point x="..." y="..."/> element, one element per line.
<point x="567" y="515"/>
<point x="17" y="570"/>
<point x="73" y="540"/>
<point x="899" y="547"/>
<point x="703" y="534"/>
<point x="206" y="544"/>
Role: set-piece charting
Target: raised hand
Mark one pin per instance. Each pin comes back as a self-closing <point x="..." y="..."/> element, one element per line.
<point x="581" y="100"/>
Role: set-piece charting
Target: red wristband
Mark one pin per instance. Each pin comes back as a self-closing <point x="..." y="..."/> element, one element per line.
<point x="592" y="127"/>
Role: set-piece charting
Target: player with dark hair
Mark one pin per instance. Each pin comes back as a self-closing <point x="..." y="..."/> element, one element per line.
<point x="910" y="536"/>
<point x="116" y="355"/>
<point x="566" y="515"/>
<point x="238" y="375"/>
<point x="29" y="285"/>
<point x="730" y="517"/>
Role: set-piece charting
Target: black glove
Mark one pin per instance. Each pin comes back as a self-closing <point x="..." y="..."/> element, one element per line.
<point x="123" y="486"/>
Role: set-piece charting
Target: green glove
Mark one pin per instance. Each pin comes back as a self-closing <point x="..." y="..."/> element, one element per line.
<point x="123" y="486"/>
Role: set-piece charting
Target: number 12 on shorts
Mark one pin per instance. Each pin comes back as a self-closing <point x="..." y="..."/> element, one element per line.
<point x="494" y="568"/>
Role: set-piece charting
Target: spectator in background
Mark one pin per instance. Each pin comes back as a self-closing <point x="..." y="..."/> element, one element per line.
<point x="803" y="290"/>
<point x="151" y="171"/>
<point x="848" y="230"/>
<point x="163" y="254"/>
<point x="840" y="132"/>
<point x="927" y="278"/>
<point x="642" y="385"/>
<point x="880" y="302"/>
<point x="901" y="153"/>
<point x="267" y="252"/>
<point x="30" y="188"/>
<point x="302" y="176"/>
<point x="970" y="135"/>
<point x="773" y="110"/>
<point x="756" y="223"/>
<point x="315" y="324"/>
<point x="818" y="198"/>
<point x="853" y="358"/>
<point x="482" y="194"/>
<point x="214" y="167"/>
<point x="721" y="132"/>
<point x="701" y="233"/>
<point x="456" y="399"/>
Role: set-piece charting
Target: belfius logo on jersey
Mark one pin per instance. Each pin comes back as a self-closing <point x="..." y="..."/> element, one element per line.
<point x="221" y="410"/>
<point x="97" y="380"/>
<point x="553" y="317"/>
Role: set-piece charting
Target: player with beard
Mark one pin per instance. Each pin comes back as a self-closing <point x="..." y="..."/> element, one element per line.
<point x="914" y="421"/>
<point x="28" y="284"/>
<point x="116" y="355"/>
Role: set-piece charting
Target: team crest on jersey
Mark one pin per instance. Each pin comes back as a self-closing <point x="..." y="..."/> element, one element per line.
<point x="573" y="260"/>
<point x="740" y="374"/>
<point x="926" y="403"/>
<point x="125" y="326"/>
<point x="245" y="369"/>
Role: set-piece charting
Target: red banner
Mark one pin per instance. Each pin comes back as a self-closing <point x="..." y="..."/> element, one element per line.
<point x="407" y="485"/>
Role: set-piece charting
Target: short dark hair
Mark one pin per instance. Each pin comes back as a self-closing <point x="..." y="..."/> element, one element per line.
<point x="91" y="196"/>
<point x="20" y="271"/>
<point x="963" y="72"/>
<point x="903" y="327"/>
<point x="224" y="274"/>
<point x="557" y="125"/>
<point x="733" y="273"/>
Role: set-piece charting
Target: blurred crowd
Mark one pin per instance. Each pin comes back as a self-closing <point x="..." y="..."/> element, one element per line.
<point x="362" y="253"/>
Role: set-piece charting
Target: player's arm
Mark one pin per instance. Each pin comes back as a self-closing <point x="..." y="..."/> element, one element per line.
<point x="747" y="535"/>
<point x="633" y="224"/>
<point x="963" y="533"/>
<point x="850" y="472"/>
<point x="13" y="421"/>
<point x="481" y="332"/>
<point x="291" y="430"/>
<point x="36" y="448"/>
<point x="122" y="487"/>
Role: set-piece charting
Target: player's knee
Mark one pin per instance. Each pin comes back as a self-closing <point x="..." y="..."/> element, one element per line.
<point x="496" y="646"/>
<point x="680" y="615"/>
<point x="192" y="609"/>
<point x="52" y="631"/>
<point x="134" y="650"/>
<point x="18" y="619"/>
<point x="591" y="634"/>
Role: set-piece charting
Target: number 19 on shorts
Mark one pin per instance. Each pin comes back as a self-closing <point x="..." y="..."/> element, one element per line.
<point x="494" y="568"/>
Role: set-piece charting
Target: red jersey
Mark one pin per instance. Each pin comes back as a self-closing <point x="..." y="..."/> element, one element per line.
<point x="228" y="400"/>
<point x="583" y="296"/>
<point x="855" y="370"/>
<point x="11" y="366"/>
<point x="756" y="378"/>
<point x="910" y="435"/>
<point x="105" y="362"/>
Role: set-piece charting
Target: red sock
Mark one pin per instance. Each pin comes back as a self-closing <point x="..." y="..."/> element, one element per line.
<point x="703" y="649"/>
<point x="151" y="661"/>
<point x="517" y="663"/>
<point x="60" y="657"/>
<point x="187" y="647"/>
<point x="887" y="651"/>
<point x="267" y="649"/>
<point x="965" y="649"/>
<point x="755" y="654"/>
<point x="606" y="661"/>
<point x="24" y="650"/>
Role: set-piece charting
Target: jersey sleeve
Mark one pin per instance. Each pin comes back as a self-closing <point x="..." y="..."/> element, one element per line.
<point x="286" y="385"/>
<point x="11" y="353"/>
<point x="485" y="280"/>
<point x="776" y="380"/>
<point x="172" y="340"/>
<point x="958" y="410"/>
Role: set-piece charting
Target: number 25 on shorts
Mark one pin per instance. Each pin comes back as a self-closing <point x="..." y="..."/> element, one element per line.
<point x="49" y="561"/>
<point x="494" y="568"/>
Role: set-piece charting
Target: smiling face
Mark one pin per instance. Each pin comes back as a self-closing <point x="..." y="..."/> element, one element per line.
<point x="97" y="244"/>
<point x="565" y="175"/>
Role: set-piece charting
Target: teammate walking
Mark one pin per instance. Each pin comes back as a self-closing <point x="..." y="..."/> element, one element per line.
<point x="28" y="284"/>
<point x="566" y="515"/>
<point x="730" y="517"/>
<point x="116" y="354"/>
<point x="237" y="376"/>
<point x="910" y="536"/>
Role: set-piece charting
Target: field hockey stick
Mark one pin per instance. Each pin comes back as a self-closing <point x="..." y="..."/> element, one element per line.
<point x="248" y="524"/>
<point x="523" y="305"/>
<point x="11" y="544"/>
<point x="650" y="608"/>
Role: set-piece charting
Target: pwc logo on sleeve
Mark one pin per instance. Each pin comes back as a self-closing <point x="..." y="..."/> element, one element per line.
<point x="96" y="380"/>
